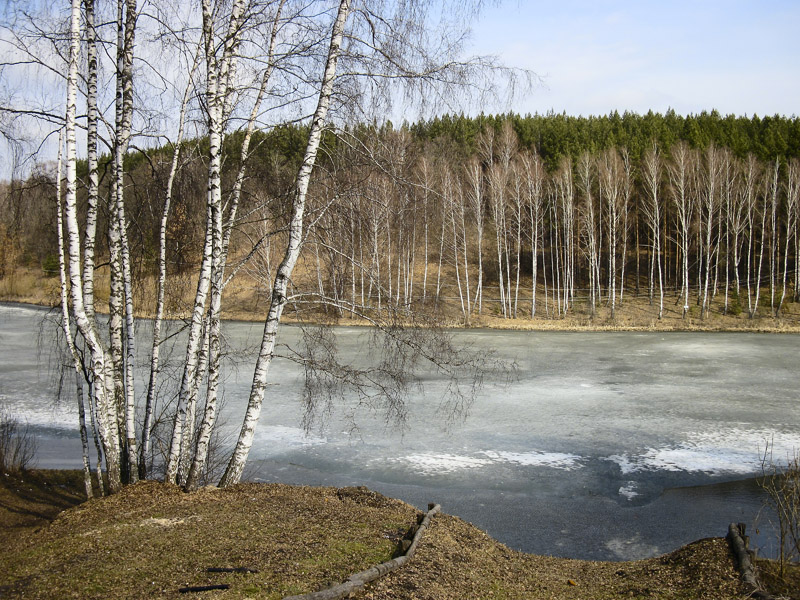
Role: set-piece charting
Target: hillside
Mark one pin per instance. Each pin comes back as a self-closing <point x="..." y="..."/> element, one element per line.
<point x="153" y="539"/>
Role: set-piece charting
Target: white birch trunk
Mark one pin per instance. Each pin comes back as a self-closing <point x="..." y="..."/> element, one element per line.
<point x="218" y="74"/>
<point x="124" y="107"/>
<point x="792" y="201"/>
<point x="92" y="190"/>
<point x="652" y="178"/>
<point x="237" y="461"/>
<point x="474" y="178"/>
<point x="98" y="360"/>
<point x="65" y="323"/>
<point x="773" y="197"/>
<point x="680" y="176"/>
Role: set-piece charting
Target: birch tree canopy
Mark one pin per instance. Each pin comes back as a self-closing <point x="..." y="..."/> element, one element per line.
<point x="125" y="79"/>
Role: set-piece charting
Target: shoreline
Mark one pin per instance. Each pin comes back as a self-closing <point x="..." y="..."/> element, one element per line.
<point x="570" y="323"/>
<point x="642" y="529"/>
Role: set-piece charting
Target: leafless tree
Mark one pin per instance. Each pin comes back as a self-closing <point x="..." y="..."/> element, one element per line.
<point x="681" y="176"/>
<point x="651" y="173"/>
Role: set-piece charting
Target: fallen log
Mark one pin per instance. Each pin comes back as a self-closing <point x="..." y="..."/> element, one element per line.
<point x="359" y="580"/>
<point x="738" y="542"/>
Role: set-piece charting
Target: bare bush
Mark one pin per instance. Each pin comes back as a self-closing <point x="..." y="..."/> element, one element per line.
<point x="17" y="444"/>
<point x="782" y="485"/>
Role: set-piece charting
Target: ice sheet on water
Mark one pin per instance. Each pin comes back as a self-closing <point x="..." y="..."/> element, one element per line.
<point x="729" y="451"/>
<point x="281" y="437"/>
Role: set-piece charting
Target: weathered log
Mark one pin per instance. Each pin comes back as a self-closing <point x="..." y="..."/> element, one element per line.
<point x="359" y="580"/>
<point x="738" y="542"/>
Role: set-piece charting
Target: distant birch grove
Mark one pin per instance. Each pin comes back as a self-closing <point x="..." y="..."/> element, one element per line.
<point x="496" y="233"/>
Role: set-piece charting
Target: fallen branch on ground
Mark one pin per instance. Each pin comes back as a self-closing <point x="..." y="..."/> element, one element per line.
<point x="358" y="580"/>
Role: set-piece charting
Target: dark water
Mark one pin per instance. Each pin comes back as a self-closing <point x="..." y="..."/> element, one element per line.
<point x="607" y="445"/>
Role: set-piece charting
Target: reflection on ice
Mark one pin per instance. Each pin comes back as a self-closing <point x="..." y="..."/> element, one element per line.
<point x="627" y="549"/>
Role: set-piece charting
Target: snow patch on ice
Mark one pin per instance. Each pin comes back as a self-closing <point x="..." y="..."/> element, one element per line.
<point x="629" y="490"/>
<point x="439" y="464"/>
<point x="624" y="462"/>
<point x="734" y="451"/>
<point x="701" y="459"/>
<point x="431" y="463"/>
<point x="536" y="458"/>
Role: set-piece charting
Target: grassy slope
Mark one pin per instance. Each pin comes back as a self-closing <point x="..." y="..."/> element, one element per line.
<point x="152" y="539"/>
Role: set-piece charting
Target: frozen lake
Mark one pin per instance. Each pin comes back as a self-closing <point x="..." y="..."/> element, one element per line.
<point x="606" y="446"/>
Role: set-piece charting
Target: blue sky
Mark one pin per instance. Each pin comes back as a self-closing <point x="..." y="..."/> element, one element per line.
<point x="594" y="57"/>
<point x="598" y="56"/>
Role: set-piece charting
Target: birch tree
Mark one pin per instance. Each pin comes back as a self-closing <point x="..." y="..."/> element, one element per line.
<point x="625" y="207"/>
<point x="681" y="194"/>
<point x="735" y="214"/>
<point x="612" y="182"/>
<point x="589" y="227"/>
<point x="99" y="361"/>
<point x="792" y="203"/>
<point x="709" y="204"/>
<point x="651" y="173"/>
<point x="535" y="178"/>
<point x="260" y="63"/>
<point x="364" y="41"/>
<point x="475" y="198"/>
<point x="774" y="201"/>
<point x="218" y="66"/>
<point x="751" y="180"/>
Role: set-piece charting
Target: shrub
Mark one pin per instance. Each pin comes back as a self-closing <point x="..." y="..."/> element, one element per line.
<point x="734" y="304"/>
<point x="782" y="485"/>
<point x="17" y="444"/>
<point x="51" y="265"/>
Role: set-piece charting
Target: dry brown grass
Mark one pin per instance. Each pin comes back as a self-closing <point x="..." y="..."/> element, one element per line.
<point x="29" y="286"/>
<point x="246" y="299"/>
<point x="153" y="539"/>
<point x="786" y="586"/>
